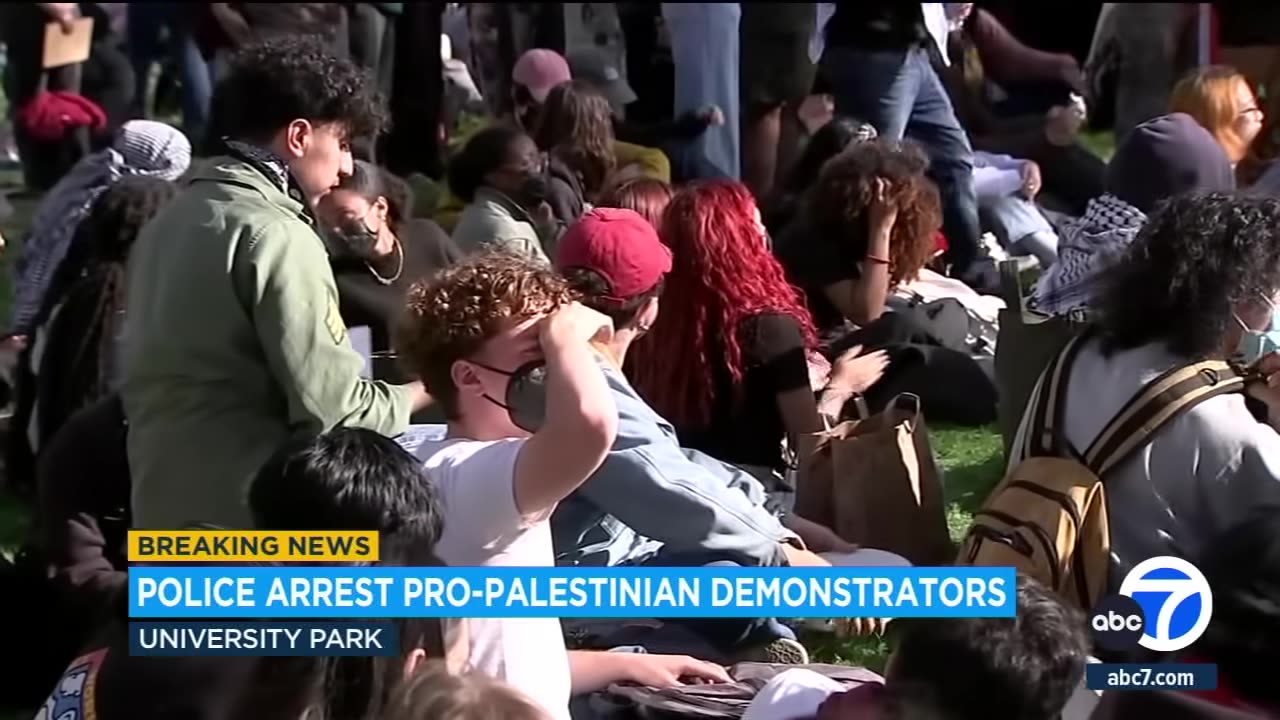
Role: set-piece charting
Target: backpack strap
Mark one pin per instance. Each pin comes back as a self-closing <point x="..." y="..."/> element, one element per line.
<point x="1048" y="406"/>
<point x="1159" y="402"/>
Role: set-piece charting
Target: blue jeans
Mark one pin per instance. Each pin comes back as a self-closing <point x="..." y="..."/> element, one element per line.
<point x="902" y="96"/>
<point x="146" y="23"/>
<point x="727" y="635"/>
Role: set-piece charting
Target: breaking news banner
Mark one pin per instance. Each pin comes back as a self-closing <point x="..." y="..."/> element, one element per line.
<point x="350" y="592"/>
<point x="230" y="546"/>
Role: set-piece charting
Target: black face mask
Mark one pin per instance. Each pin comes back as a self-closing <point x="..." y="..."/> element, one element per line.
<point x="355" y="237"/>
<point x="535" y="190"/>
<point x="526" y="396"/>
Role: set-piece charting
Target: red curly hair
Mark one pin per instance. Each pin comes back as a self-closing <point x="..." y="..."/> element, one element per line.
<point x="722" y="274"/>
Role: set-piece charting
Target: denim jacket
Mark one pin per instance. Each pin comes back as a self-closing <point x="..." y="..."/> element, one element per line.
<point x="651" y="497"/>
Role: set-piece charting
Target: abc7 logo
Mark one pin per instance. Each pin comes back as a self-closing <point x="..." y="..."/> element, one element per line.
<point x="1164" y="605"/>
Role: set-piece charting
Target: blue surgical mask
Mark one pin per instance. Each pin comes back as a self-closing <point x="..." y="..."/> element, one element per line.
<point x="1257" y="344"/>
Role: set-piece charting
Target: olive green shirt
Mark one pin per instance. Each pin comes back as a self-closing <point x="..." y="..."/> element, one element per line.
<point x="234" y="342"/>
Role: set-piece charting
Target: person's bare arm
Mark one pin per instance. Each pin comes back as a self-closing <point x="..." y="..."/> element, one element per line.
<point x="862" y="301"/>
<point x="581" y="419"/>
<point x="590" y="671"/>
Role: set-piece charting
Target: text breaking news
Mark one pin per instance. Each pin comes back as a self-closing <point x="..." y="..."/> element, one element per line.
<point x="1152" y="676"/>
<point x="231" y="546"/>
<point x="352" y="592"/>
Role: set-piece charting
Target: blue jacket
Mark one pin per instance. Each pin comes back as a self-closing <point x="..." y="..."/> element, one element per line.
<point x="653" y="497"/>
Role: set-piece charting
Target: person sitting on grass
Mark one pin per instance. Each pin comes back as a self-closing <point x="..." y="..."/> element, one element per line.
<point x="378" y="251"/>
<point x="742" y="385"/>
<point x="481" y="335"/>
<point x="1200" y="282"/>
<point x="141" y="148"/>
<point x="501" y="176"/>
<point x="652" y="502"/>
<point x="1164" y="157"/>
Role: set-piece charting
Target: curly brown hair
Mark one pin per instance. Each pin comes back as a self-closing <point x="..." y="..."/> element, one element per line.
<point x="838" y="202"/>
<point x="450" y="316"/>
<point x="576" y="126"/>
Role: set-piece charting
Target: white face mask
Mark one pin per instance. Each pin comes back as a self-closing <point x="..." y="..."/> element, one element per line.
<point x="1257" y="344"/>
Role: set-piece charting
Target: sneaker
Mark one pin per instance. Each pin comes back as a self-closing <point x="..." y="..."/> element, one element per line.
<point x="780" y="651"/>
<point x="991" y="247"/>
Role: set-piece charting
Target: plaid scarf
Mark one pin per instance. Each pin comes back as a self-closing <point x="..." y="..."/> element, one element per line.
<point x="1089" y="246"/>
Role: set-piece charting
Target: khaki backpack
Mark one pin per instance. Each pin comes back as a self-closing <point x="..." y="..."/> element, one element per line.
<point x="1048" y="516"/>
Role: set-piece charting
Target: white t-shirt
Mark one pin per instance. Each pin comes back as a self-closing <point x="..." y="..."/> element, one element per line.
<point x="482" y="527"/>
<point x="1200" y="475"/>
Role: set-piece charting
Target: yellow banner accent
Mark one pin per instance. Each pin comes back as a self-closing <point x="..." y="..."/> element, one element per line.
<point x="158" y="546"/>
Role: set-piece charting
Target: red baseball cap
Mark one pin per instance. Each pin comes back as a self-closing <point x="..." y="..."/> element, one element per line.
<point x="621" y="246"/>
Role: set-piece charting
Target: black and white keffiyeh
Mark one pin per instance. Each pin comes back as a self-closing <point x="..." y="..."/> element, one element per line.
<point x="1087" y="246"/>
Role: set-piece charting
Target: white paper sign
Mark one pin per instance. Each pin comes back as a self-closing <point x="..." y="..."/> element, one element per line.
<point x="362" y="341"/>
<point x="415" y="435"/>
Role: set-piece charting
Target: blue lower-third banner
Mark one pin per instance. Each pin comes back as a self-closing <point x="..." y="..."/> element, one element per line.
<point x="339" y="592"/>
<point x="264" y="638"/>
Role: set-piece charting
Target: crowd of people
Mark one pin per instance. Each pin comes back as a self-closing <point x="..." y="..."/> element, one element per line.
<point x="483" y="299"/>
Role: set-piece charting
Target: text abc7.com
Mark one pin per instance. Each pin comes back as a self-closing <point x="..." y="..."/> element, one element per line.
<point x="1164" y="605"/>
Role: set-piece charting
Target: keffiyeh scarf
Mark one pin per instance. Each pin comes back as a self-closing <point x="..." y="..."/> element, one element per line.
<point x="144" y="147"/>
<point x="1088" y="246"/>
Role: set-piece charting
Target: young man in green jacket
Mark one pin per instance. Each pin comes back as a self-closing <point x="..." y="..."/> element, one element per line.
<point x="234" y="342"/>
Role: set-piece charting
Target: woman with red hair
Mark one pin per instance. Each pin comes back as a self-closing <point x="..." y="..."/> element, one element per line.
<point x="647" y="196"/>
<point x="729" y="363"/>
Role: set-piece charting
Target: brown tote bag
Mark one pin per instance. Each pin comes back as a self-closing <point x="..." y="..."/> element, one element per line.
<point x="876" y="483"/>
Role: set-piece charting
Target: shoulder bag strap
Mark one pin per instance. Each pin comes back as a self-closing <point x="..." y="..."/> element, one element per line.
<point x="1048" y="403"/>
<point x="1159" y="402"/>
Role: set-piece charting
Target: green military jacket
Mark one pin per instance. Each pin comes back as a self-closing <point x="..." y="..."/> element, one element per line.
<point x="233" y="344"/>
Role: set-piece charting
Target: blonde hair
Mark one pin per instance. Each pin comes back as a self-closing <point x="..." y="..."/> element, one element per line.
<point x="1209" y="96"/>
<point x="433" y="693"/>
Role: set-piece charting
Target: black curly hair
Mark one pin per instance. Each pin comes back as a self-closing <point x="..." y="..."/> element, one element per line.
<point x="1179" y="282"/>
<point x="274" y="82"/>
<point x="79" y="341"/>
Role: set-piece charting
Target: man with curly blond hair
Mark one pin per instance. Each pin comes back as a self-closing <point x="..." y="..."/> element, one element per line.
<point x="503" y="347"/>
